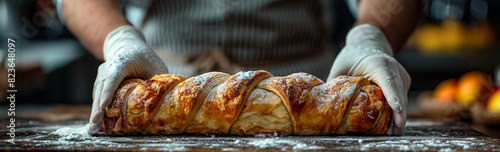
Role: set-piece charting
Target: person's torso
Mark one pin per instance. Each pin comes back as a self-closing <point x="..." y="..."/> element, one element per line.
<point x="256" y="34"/>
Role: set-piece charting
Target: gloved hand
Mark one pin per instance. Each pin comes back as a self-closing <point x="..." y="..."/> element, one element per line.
<point x="126" y="55"/>
<point x="368" y="53"/>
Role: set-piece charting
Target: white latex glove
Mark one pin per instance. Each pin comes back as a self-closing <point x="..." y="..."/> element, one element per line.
<point x="126" y="55"/>
<point x="368" y="53"/>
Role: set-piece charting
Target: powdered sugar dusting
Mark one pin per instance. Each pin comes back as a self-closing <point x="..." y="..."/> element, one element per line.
<point x="344" y="82"/>
<point x="349" y="91"/>
<point x="321" y="96"/>
<point x="200" y="80"/>
<point x="323" y="93"/>
<point x="340" y="79"/>
<point x="305" y="76"/>
<point x="244" y="75"/>
<point x="257" y="95"/>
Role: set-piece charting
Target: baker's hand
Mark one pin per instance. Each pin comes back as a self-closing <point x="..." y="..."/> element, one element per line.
<point x="368" y="53"/>
<point x="126" y="55"/>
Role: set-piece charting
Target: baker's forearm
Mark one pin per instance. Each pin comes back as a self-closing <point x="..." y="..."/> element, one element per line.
<point x="396" y="18"/>
<point x="91" y="20"/>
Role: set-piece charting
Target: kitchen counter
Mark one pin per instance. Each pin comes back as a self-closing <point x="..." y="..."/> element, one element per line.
<point x="37" y="132"/>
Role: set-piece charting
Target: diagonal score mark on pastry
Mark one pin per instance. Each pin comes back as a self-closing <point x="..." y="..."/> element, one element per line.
<point x="247" y="103"/>
<point x="146" y="99"/>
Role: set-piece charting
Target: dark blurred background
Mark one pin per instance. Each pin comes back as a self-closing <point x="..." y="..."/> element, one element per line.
<point x="453" y="37"/>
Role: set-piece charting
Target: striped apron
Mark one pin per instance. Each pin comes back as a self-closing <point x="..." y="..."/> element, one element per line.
<point x="198" y="36"/>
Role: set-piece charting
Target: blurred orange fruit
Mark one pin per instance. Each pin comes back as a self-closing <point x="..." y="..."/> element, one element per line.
<point x="473" y="86"/>
<point x="493" y="104"/>
<point x="446" y="91"/>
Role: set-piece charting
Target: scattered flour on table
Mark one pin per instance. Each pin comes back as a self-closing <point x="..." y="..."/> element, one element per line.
<point x="275" y="134"/>
<point x="71" y="132"/>
<point x="425" y="144"/>
<point x="424" y="123"/>
<point x="229" y="149"/>
<point x="446" y="150"/>
<point x="75" y="136"/>
<point x="69" y="136"/>
<point x="275" y="143"/>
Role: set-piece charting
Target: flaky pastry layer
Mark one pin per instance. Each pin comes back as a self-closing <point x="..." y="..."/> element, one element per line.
<point x="247" y="103"/>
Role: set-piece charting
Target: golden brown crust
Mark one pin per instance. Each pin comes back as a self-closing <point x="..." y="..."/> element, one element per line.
<point x="365" y="110"/>
<point x="146" y="98"/>
<point x="116" y="113"/>
<point x="384" y="116"/>
<point x="295" y="92"/>
<point x="182" y="102"/>
<point x="263" y="113"/>
<point x="219" y="111"/>
<point x="248" y="103"/>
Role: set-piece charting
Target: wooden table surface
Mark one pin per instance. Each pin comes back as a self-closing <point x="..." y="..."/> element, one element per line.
<point x="36" y="132"/>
